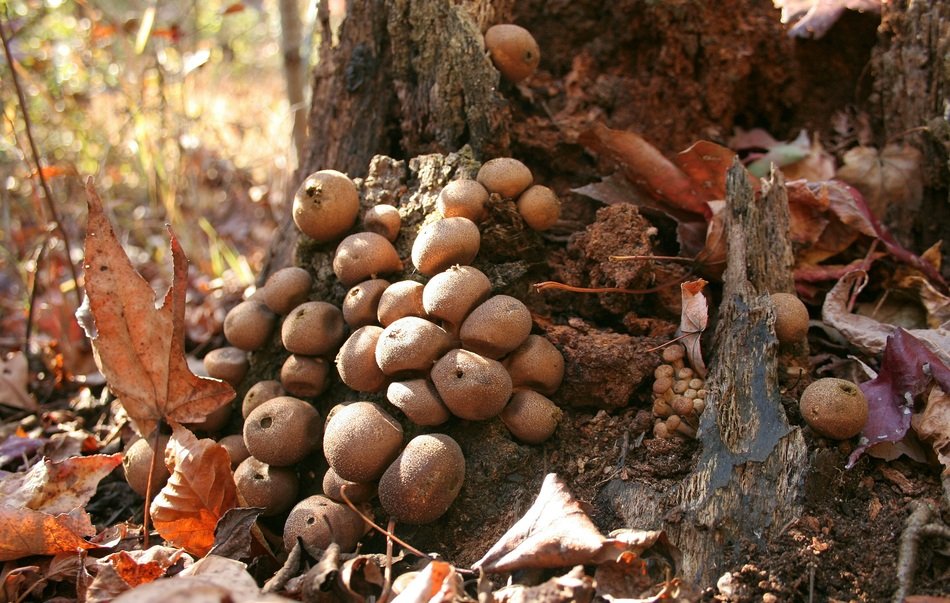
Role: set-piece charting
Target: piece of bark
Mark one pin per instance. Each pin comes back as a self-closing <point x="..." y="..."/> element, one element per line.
<point x="747" y="480"/>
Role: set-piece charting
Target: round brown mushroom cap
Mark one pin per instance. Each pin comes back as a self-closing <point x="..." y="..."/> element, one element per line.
<point x="283" y="431"/>
<point x="319" y="522"/>
<point x="411" y="344"/>
<point x="834" y="408"/>
<point x="496" y="327"/>
<point x="214" y="422"/>
<point x="536" y="364"/>
<point x="445" y="242"/>
<point x="362" y="302"/>
<point x="364" y="255"/>
<point x="539" y="207"/>
<point x="228" y="364"/>
<point x="505" y="176"/>
<point x="419" y="401"/>
<point x="249" y="325"/>
<point x="356" y="360"/>
<point x="463" y="198"/>
<point x="304" y="376"/>
<point x="421" y="485"/>
<point x="791" y="318"/>
<point x="356" y="492"/>
<point x="286" y="289"/>
<point x="530" y="416"/>
<point x="383" y="220"/>
<point x="261" y="392"/>
<point x="236" y="448"/>
<point x="450" y="295"/>
<point x="513" y="51"/>
<point x="272" y="488"/>
<point x="313" y="328"/>
<point x="399" y="300"/>
<point x="137" y="461"/>
<point x="361" y="440"/>
<point x="326" y="205"/>
<point x="471" y="386"/>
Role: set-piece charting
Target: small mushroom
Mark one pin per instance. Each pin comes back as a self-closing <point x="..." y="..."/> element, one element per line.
<point x="236" y="448"/>
<point x="539" y="207"/>
<point x="463" y="198"/>
<point x="326" y="205"/>
<point x="383" y="220"/>
<point x="228" y="364"/>
<point x="356" y="492"/>
<point x="513" y="50"/>
<point x="423" y="482"/>
<point x="361" y="304"/>
<point x="261" y="392"/>
<point x="471" y="386"/>
<point x="286" y="289"/>
<point x="834" y="408"/>
<point x="505" y="176"/>
<point x="496" y="327"/>
<point x="273" y="489"/>
<point x="356" y="360"/>
<point x="401" y="299"/>
<point x="452" y="294"/>
<point x="791" y="318"/>
<point x="445" y="242"/>
<point x="536" y="364"/>
<point x="411" y="344"/>
<point x="531" y="417"/>
<point x="364" y="255"/>
<point x="419" y="401"/>
<point x="361" y="440"/>
<point x="313" y="329"/>
<point x="249" y="325"/>
<point x="319" y="522"/>
<point x="283" y="431"/>
<point x="304" y="376"/>
<point x="138" y="460"/>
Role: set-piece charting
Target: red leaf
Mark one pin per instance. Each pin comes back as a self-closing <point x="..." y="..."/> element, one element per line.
<point x="25" y="532"/>
<point x="138" y="348"/>
<point x="706" y="164"/>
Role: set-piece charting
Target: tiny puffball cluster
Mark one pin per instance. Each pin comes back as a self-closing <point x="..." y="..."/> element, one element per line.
<point x="679" y="396"/>
<point x="440" y="348"/>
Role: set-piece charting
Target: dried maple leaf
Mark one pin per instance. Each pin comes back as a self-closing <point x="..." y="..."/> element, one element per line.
<point x="25" y="532"/>
<point x="125" y="570"/>
<point x="14" y="379"/>
<point x="891" y="177"/>
<point x="140" y="348"/>
<point x="198" y="493"/>
<point x="908" y="369"/>
<point x="557" y="532"/>
<point x="56" y="488"/>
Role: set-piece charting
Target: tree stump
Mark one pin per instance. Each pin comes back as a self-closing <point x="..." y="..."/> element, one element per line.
<point x="746" y="484"/>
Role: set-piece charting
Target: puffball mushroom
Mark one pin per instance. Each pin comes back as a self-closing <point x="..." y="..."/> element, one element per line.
<point x="443" y="243"/>
<point x="384" y="220"/>
<point x="313" y="328"/>
<point x="513" y="50"/>
<point x="236" y="448"/>
<point x="401" y="299"/>
<point x="356" y="360"/>
<point x="286" y="289"/>
<point x="139" y="458"/>
<point x="791" y="317"/>
<point x="361" y="440"/>
<point x="364" y="255"/>
<point x="505" y="176"/>
<point x="531" y="417"/>
<point x="539" y="207"/>
<point x="496" y="327"/>
<point x="261" y="392"/>
<point x="450" y="295"/>
<point x="361" y="303"/>
<point x="536" y="364"/>
<point x="411" y="344"/>
<point x="319" y="522"/>
<point x="249" y="325"/>
<point x="304" y="376"/>
<point x="356" y="492"/>
<point x="463" y="198"/>
<point x="419" y="401"/>
<point x="471" y="386"/>
<point x="326" y="205"/>
<point x="228" y="364"/>
<point x="834" y="408"/>
<point x="272" y="488"/>
<point x="423" y="482"/>
<point x="283" y="431"/>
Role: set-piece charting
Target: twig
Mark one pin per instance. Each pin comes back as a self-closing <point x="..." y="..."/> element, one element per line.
<point x="388" y="533"/>
<point x="47" y="193"/>
<point x="33" y="294"/>
<point x="910" y="542"/>
<point x="146" y="511"/>
<point x="287" y="571"/>
<point x="564" y="287"/>
<point x="388" y="571"/>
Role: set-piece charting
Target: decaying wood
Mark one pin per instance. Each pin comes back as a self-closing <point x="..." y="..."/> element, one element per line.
<point x="745" y="487"/>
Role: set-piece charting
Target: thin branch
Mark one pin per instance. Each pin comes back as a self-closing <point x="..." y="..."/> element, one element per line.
<point x="47" y="193"/>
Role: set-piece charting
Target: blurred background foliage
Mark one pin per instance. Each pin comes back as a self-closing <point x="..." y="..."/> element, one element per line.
<point x="178" y="110"/>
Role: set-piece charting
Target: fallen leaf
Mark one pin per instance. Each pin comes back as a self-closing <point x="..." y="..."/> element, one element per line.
<point x="574" y="587"/>
<point x="557" y="532"/>
<point x="140" y="348"/>
<point x="25" y="532"/>
<point x="891" y="177"/>
<point x="907" y="370"/>
<point x="817" y="165"/>
<point x="14" y="379"/>
<point x="362" y="578"/>
<point x="232" y="534"/>
<point x="19" y="447"/>
<point x="706" y="165"/>
<point x="124" y="570"/>
<point x="863" y="332"/>
<point x="198" y="493"/>
<point x="813" y="18"/>
<point x="437" y="583"/>
<point x="57" y="488"/>
<point x="693" y="320"/>
<point x="933" y="425"/>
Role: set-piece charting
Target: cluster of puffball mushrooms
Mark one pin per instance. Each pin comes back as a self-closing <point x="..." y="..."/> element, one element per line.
<point x="446" y="347"/>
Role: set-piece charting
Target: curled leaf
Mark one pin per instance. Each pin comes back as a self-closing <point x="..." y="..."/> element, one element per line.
<point x="25" y="532"/>
<point x="14" y="379"/>
<point x="58" y="487"/>
<point x="693" y="320"/>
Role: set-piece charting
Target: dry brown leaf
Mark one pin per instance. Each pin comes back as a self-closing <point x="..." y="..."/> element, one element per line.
<point x="125" y="570"/>
<point x="933" y="425"/>
<point x="198" y="493"/>
<point x="813" y="18"/>
<point x="706" y="165"/>
<point x="25" y="532"/>
<point x="14" y="379"/>
<point x="818" y="165"/>
<point x="57" y="488"/>
<point x="891" y="177"/>
<point x="140" y="348"/>
<point x="865" y="333"/>
<point x="437" y="583"/>
<point x="573" y="587"/>
<point x="693" y="320"/>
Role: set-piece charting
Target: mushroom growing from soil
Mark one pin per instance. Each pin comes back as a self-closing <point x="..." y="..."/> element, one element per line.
<point x="539" y="207"/>
<point x="505" y="176"/>
<point x="401" y="299"/>
<point x="834" y="408"/>
<point x="139" y="458"/>
<point x="445" y="242"/>
<point x="283" y="431"/>
<point x="463" y="198"/>
<point x="450" y="295"/>
<point x="286" y="289"/>
<point x="361" y="304"/>
<point x="313" y="328"/>
<point x="249" y="325"/>
<point x="335" y="486"/>
<point x="383" y="220"/>
<point x="361" y="440"/>
<point x="411" y="345"/>
<point x="471" y="386"/>
<point x="364" y="255"/>
<point x="261" y="392"/>
<point x="791" y="317"/>
<point x="319" y="521"/>
<point x="423" y="482"/>
<point x="531" y="417"/>
<point x="228" y="364"/>
<point x="304" y="376"/>
<point x="496" y="327"/>
<point x="326" y="205"/>
<point x="356" y="360"/>
<point x="536" y="364"/>
<point x="419" y="401"/>
<point x="272" y="488"/>
<point x="513" y="50"/>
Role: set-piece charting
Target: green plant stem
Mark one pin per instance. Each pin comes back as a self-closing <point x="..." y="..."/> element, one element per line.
<point x="47" y="193"/>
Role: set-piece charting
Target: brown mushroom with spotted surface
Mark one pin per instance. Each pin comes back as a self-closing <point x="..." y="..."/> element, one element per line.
<point x="356" y="360"/>
<point x="286" y="289"/>
<point x="361" y="304"/>
<point x="228" y="364"/>
<point x="361" y="440"/>
<point x="249" y="325"/>
<point x="424" y="481"/>
<point x="363" y="256"/>
<point x="313" y="328"/>
<point x="834" y="408"/>
<point x="283" y="431"/>
<point x="445" y="242"/>
<point x="513" y="51"/>
<point x="496" y="327"/>
<point x="326" y="205"/>
<point x="471" y="386"/>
